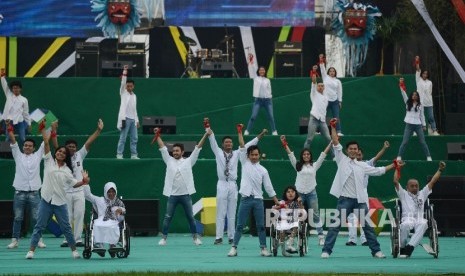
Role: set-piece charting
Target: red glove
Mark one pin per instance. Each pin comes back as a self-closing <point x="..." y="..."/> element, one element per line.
<point x="156" y="136"/>
<point x="206" y="123"/>
<point x="42" y="125"/>
<point x="284" y="143"/>
<point x="239" y="128"/>
<point x="333" y="122"/>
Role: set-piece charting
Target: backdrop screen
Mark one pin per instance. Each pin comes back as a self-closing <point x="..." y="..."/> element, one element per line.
<point x="51" y="18"/>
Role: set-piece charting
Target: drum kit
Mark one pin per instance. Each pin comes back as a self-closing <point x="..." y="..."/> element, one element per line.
<point x="195" y="60"/>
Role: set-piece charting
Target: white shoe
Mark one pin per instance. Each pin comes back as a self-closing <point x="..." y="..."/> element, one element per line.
<point x="75" y="254"/>
<point x="399" y="158"/>
<point x="430" y="131"/>
<point x="284" y="250"/>
<point x="379" y="255"/>
<point x="435" y="133"/>
<point x="41" y="244"/>
<point x="340" y="134"/>
<point x="14" y="243"/>
<point x="321" y="240"/>
<point x="290" y="246"/>
<point x="162" y="242"/>
<point x="232" y="252"/>
<point x="428" y="249"/>
<point x="30" y="255"/>
<point x="429" y="158"/>
<point x="264" y="252"/>
<point x="414" y="134"/>
<point x="324" y="255"/>
<point x="197" y="241"/>
<point x="119" y="156"/>
<point x="135" y="157"/>
<point x="246" y="132"/>
<point x="274" y="133"/>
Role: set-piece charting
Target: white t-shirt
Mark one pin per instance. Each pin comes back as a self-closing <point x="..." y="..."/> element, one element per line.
<point x="413" y="205"/>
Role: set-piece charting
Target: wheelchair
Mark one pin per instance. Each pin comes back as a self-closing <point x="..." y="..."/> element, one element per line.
<point x="431" y="231"/>
<point x="124" y="240"/>
<point x="275" y="234"/>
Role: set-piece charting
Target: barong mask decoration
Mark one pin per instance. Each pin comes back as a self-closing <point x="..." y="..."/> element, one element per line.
<point x="116" y="17"/>
<point x="355" y="25"/>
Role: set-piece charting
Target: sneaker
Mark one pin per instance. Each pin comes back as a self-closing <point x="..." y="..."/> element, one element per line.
<point x="197" y="241"/>
<point x="324" y="255"/>
<point x="41" y="244"/>
<point x="30" y="255"/>
<point x="351" y="243"/>
<point x="435" y="133"/>
<point x="75" y="254"/>
<point x="379" y="255"/>
<point x="430" y="131"/>
<point x="365" y="243"/>
<point x="135" y="157"/>
<point x="414" y="134"/>
<point x="321" y="240"/>
<point x="340" y="134"/>
<point x="230" y="241"/>
<point x="399" y="158"/>
<point x="64" y="244"/>
<point x="264" y="252"/>
<point x="246" y="132"/>
<point x="218" y="241"/>
<point x="14" y="243"/>
<point x="428" y="249"/>
<point x="290" y="246"/>
<point x="286" y="251"/>
<point x="274" y="133"/>
<point x="232" y="252"/>
<point x="429" y="158"/>
<point x="162" y="242"/>
<point x="119" y="156"/>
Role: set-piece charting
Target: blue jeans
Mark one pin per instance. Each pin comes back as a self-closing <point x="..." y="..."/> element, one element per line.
<point x="130" y="128"/>
<point x="266" y="103"/>
<point x="429" y="116"/>
<point x="44" y="215"/>
<point x="21" y="200"/>
<point x="313" y="125"/>
<point x="255" y="205"/>
<point x="310" y="201"/>
<point x="349" y="204"/>
<point x="334" y="107"/>
<point x="408" y="132"/>
<point x="20" y="129"/>
<point x="173" y="201"/>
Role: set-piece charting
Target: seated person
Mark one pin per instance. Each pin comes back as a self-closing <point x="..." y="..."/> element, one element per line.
<point x="110" y="211"/>
<point x="413" y="202"/>
<point x="288" y="222"/>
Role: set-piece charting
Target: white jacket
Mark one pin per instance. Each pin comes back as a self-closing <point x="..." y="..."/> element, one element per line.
<point x="124" y="94"/>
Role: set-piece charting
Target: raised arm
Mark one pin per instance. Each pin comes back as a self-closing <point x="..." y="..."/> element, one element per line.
<point x="94" y="135"/>
<point x="403" y="89"/>
<point x="124" y="78"/>
<point x="85" y="180"/>
<point x="240" y="137"/>
<point x="381" y="152"/>
<point x="435" y="178"/>
<point x="334" y="136"/>
<point x="260" y="136"/>
<point x="322" y="66"/>
<point x="53" y="134"/>
<point x="417" y="67"/>
<point x="285" y="145"/>
<point x="202" y="141"/>
<point x="11" y="132"/>
<point x="5" y="87"/>
<point x="46" y="138"/>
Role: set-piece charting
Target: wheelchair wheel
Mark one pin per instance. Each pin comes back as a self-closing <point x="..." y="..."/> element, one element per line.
<point x="86" y="254"/>
<point x="273" y="240"/>
<point x="433" y="238"/>
<point x="125" y="252"/>
<point x="303" y="240"/>
<point x="395" y="245"/>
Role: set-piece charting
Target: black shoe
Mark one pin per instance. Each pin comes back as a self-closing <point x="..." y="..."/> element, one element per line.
<point x="351" y="243"/>
<point x="365" y="243"/>
<point x="230" y="241"/>
<point x="64" y="244"/>
<point x="100" y="251"/>
<point x="409" y="250"/>
<point x="78" y="244"/>
<point x="218" y="241"/>
<point x="402" y="251"/>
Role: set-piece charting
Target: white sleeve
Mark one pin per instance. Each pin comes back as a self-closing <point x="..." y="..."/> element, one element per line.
<point x="252" y="142"/>
<point x="243" y="155"/>
<point x="194" y="155"/>
<point x="338" y="154"/>
<point x="83" y="152"/>
<point x="122" y="88"/>
<point x="88" y="194"/>
<point x="26" y="117"/>
<point x="422" y="116"/>
<point x="5" y="87"/>
<point x="404" y="95"/>
<point x="268" y="186"/>
<point x="15" y="151"/>
<point x="319" y="161"/>
<point x="165" y="155"/>
<point x="293" y="160"/>
<point x="339" y="90"/>
<point x="214" y="145"/>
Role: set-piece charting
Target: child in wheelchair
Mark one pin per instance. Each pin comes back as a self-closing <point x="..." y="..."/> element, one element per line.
<point x="412" y="202"/>
<point x="110" y="213"/>
<point x="287" y="224"/>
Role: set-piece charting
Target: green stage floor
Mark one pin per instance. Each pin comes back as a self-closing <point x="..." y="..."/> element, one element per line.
<point x="181" y="255"/>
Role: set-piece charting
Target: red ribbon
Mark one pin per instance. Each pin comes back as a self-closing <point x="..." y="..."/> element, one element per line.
<point x="397" y="167"/>
<point x="10" y="128"/>
<point x="314" y="72"/>
<point x="322" y="60"/>
<point x="416" y="61"/>
<point x="41" y="125"/>
<point x="284" y="143"/>
<point x="206" y="123"/>
<point x="239" y="128"/>
<point x="53" y="134"/>
<point x="2" y="73"/>
<point x="333" y="122"/>
<point x="402" y="86"/>
<point x="156" y="136"/>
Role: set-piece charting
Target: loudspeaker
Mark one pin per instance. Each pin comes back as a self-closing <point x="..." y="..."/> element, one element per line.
<point x="167" y="124"/>
<point x="7" y="217"/>
<point x="455" y="123"/>
<point x="288" y="65"/>
<point x="114" y="68"/>
<point x="223" y="69"/>
<point x="456" y="151"/>
<point x="188" y="147"/>
<point x="448" y="197"/>
<point x="268" y="204"/>
<point x="138" y="65"/>
<point x="87" y="59"/>
<point x="5" y="150"/>
<point x="142" y="216"/>
<point x="303" y="125"/>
